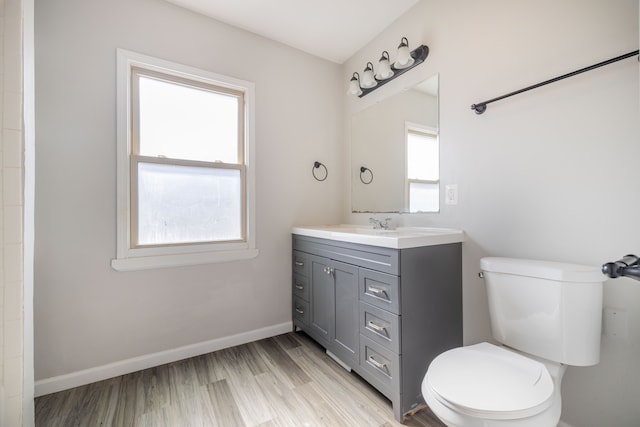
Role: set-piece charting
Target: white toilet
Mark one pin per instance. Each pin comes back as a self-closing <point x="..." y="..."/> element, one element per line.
<point x="546" y="315"/>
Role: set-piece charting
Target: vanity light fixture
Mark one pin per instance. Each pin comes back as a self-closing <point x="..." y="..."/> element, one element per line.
<point x="368" y="80"/>
<point x="384" y="67"/>
<point x="354" y="85"/>
<point x="404" y="58"/>
<point x="386" y="72"/>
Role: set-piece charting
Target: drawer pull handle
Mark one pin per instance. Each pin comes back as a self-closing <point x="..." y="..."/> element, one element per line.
<point x="299" y="264"/>
<point x="298" y="286"/>
<point x="299" y="311"/>
<point x="378" y="292"/>
<point x="378" y="328"/>
<point x="381" y="366"/>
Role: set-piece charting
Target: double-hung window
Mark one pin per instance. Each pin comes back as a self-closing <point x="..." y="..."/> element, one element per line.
<point x="185" y="172"/>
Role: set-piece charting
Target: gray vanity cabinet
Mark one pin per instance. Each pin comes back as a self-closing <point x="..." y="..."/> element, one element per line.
<point x="334" y="306"/>
<point x="385" y="313"/>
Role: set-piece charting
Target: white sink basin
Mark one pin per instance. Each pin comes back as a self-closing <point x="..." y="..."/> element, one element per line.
<point x="399" y="238"/>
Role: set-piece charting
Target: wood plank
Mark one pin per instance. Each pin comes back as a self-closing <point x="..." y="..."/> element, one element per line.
<point x="280" y="360"/>
<point x="344" y="391"/>
<point x="224" y="406"/>
<point x="239" y="373"/>
<point x="288" y="409"/>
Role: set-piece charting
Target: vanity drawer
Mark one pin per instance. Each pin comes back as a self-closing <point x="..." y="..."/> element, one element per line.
<point x="300" y="310"/>
<point x="301" y="286"/>
<point x="379" y="366"/>
<point x="380" y="326"/>
<point x="301" y="263"/>
<point x="380" y="289"/>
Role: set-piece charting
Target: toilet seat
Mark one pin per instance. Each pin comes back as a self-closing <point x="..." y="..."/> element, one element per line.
<point x="487" y="381"/>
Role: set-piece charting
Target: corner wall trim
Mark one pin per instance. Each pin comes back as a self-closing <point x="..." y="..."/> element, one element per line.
<point x="99" y="373"/>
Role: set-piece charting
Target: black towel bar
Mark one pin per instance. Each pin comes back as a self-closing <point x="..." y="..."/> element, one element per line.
<point x="481" y="107"/>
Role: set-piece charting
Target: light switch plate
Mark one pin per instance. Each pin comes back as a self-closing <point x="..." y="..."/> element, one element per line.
<point x="451" y="194"/>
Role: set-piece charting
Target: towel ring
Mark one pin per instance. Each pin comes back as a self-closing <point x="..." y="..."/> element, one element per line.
<point x="362" y="172"/>
<point x="317" y="165"/>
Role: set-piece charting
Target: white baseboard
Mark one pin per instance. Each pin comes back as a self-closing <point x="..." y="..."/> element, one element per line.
<point x="99" y="373"/>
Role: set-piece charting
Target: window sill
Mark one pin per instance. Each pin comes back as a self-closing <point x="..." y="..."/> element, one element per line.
<point x="181" y="260"/>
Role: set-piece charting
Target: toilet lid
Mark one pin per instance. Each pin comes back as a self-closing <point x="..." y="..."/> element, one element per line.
<point x="487" y="381"/>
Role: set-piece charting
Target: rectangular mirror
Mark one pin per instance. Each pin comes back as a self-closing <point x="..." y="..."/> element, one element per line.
<point x="395" y="153"/>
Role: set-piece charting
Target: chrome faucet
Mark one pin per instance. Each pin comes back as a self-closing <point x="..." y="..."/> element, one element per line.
<point x="380" y="224"/>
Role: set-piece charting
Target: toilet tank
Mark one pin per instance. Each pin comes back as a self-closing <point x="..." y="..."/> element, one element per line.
<point x="547" y="309"/>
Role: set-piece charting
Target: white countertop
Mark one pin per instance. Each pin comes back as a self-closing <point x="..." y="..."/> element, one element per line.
<point x="398" y="238"/>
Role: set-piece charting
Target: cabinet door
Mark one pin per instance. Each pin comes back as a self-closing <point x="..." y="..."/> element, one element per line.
<point x="322" y="299"/>
<point x="346" y="335"/>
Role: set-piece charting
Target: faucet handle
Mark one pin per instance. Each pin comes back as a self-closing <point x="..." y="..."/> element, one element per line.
<point x="385" y="223"/>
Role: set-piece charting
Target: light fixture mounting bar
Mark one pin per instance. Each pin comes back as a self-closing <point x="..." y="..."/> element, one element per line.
<point x="419" y="54"/>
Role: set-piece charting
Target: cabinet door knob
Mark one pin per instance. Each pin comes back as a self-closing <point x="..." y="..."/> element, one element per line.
<point x="299" y="286"/>
<point x="299" y="311"/>
<point x="299" y="264"/>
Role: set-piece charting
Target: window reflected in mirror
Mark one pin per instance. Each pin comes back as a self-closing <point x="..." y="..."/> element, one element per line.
<point x="423" y="169"/>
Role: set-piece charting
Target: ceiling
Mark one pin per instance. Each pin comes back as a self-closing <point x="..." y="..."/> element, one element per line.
<point x="331" y="29"/>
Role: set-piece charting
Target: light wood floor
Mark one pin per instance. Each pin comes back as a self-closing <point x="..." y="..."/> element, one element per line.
<point x="283" y="381"/>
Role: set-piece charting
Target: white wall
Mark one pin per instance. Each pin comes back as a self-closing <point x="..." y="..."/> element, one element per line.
<point x="88" y="315"/>
<point x="549" y="174"/>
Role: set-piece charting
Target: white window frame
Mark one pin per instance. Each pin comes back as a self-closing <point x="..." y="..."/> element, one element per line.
<point x="129" y="257"/>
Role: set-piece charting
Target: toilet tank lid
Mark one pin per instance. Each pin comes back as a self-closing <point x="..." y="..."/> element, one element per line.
<point x="550" y="270"/>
